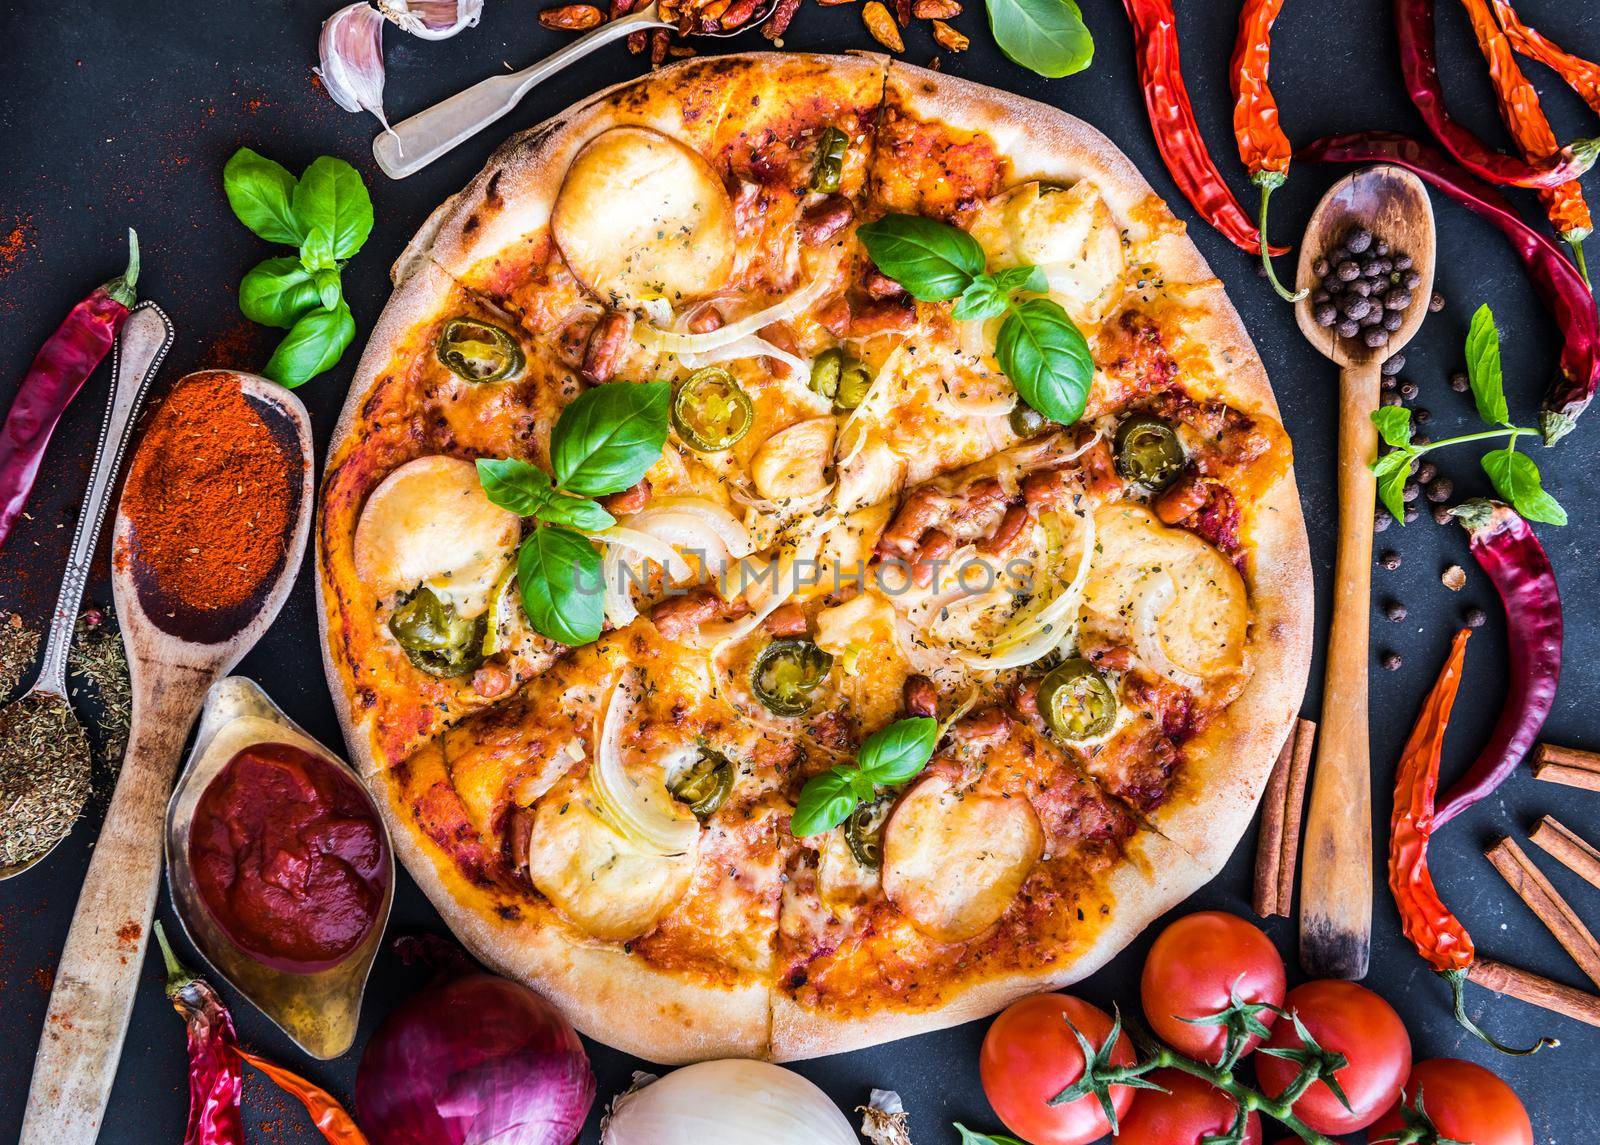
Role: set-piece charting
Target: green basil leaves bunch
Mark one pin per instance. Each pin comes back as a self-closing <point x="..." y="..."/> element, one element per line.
<point x="603" y="442"/>
<point x="888" y="758"/>
<point x="327" y="215"/>
<point x="1514" y="475"/>
<point x="1040" y="349"/>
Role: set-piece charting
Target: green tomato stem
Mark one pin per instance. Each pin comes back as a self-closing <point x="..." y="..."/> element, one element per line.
<point x="1250" y="1100"/>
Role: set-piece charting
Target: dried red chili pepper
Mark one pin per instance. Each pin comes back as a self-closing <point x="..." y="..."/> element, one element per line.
<point x="326" y="1113"/>
<point x="1517" y="566"/>
<point x="1155" y="36"/>
<point x="1581" y="75"/>
<point x="59" y="370"/>
<point x="1436" y="933"/>
<point x="1525" y="119"/>
<point x="1263" y="147"/>
<point x="1565" y="293"/>
<point x="1413" y="23"/>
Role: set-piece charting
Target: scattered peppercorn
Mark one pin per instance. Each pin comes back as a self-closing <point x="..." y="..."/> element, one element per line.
<point x="1421" y="414"/>
<point x="1381" y="521"/>
<point x="1409" y="390"/>
<point x="1389" y="559"/>
<point x="1442" y="515"/>
<point x="1412" y="491"/>
<point x="1436" y="303"/>
<point x="1427" y="471"/>
<point x="1459" y="382"/>
<point x="1390" y="399"/>
<point x="1476" y="617"/>
<point x="1388" y="383"/>
<point x="1412" y="513"/>
<point x="1439" y="492"/>
<point x="1394" y="365"/>
<point x="1395" y="611"/>
<point x="1391" y="661"/>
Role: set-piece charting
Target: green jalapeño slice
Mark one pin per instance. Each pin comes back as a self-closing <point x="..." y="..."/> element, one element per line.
<point x="704" y="785"/>
<point x="1149" y="452"/>
<point x="435" y="638"/>
<point x="786" y="673"/>
<point x="863" y="831"/>
<point x="828" y="173"/>
<point x="711" y="411"/>
<point x="479" y="351"/>
<point x="1077" y="701"/>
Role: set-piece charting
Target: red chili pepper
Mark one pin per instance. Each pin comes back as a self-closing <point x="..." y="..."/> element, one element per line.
<point x="1155" y="35"/>
<point x="1565" y="293"/>
<point x="326" y="1112"/>
<point x="1413" y="22"/>
<point x="1581" y="75"/>
<point x="1263" y="147"/>
<point x="1436" y="933"/>
<point x="1515" y="561"/>
<point x="58" y="372"/>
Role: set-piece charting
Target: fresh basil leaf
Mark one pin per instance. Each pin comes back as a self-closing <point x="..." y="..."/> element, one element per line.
<point x="1029" y="278"/>
<point x="329" y="290"/>
<point x="277" y="292"/>
<point x="609" y="436"/>
<point x="316" y="252"/>
<point x="1046" y="358"/>
<point x="934" y="261"/>
<point x="261" y="193"/>
<point x="1392" y="471"/>
<point x="575" y="512"/>
<point x="897" y="753"/>
<point x="563" y="592"/>
<point x="332" y="196"/>
<point x="969" y="1137"/>
<point x="314" y="344"/>
<point x="1394" y="425"/>
<point x="1044" y="36"/>
<point x="980" y="301"/>
<point x="514" y="484"/>
<point x="825" y="801"/>
<point x="1516" y="478"/>
<point x="1483" y="368"/>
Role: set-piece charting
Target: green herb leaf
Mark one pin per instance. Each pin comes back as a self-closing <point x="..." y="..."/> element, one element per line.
<point x="1483" y="367"/>
<point x="575" y="512"/>
<point x="561" y="584"/>
<point x="607" y="439"/>
<point x="1029" y="278"/>
<point x="1392" y="471"/>
<point x="1516" y="478"/>
<point x="332" y="196"/>
<point x="329" y="290"/>
<point x="261" y="193"/>
<point x="277" y="292"/>
<point x="316" y="252"/>
<point x="315" y="343"/>
<point x="1047" y="358"/>
<point x="825" y="801"/>
<point x="970" y="1137"/>
<point x="514" y="484"/>
<point x="1394" y="425"/>
<point x="980" y="301"/>
<point x="897" y="753"/>
<point x="1044" y="36"/>
<point x="934" y="261"/>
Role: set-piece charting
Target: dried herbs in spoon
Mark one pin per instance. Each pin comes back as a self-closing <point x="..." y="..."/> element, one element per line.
<point x="44" y="776"/>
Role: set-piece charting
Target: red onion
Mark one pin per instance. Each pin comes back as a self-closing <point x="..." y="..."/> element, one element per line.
<point x="473" y="1059"/>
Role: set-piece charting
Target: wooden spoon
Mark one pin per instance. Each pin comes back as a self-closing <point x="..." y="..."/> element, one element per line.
<point x="1336" y="879"/>
<point x="174" y="657"/>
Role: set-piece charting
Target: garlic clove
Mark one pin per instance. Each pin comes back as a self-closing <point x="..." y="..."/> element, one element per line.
<point x="351" y="51"/>
<point x="432" y="19"/>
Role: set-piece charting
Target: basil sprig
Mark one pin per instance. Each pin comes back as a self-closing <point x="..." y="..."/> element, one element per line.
<point x="603" y="442"/>
<point x="1514" y="475"/>
<point x="888" y="758"/>
<point x="1038" y="346"/>
<point x="327" y="215"/>
<point x="1044" y="36"/>
<point x="973" y="1137"/>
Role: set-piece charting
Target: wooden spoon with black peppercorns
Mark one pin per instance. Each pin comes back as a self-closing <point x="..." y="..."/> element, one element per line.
<point x="1364" y="306"/>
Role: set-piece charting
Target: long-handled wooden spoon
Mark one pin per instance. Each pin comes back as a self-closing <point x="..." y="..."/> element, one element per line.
<point x="1336" y="879"/>
<point x="174" y="658"/>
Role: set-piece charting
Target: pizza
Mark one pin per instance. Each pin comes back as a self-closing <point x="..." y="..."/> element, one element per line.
<point x="955" y="595"/>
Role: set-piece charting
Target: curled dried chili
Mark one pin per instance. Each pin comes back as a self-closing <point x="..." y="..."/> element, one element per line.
<point x="1413" y="22"/>
<point x="1436" y="933"/>
<point x="1581" y="75"/>
<point x="1553" y="276"/>
<point x="1183" y="149"/>
<point x="1263" y="147"/>
<point x="59" y="370"/>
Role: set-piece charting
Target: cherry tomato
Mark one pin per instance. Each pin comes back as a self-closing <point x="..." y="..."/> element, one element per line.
<point x="1465" y="1102"/>
<point x="1190" y="1110"/>
<point x="1192" y="967"/>
<point x="1029" y="1055"/>
<point x="1351" y="1020"/>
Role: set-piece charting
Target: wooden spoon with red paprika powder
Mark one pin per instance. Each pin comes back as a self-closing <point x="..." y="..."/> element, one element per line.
<point x="210" y="532"/>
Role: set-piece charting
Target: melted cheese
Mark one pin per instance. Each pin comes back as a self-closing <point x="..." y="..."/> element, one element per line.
<point x="794" y="462"/>
<point x="430" y="523"/>
<point x="953" y="861"/>
<point x="1071" y="233"/>
<point x="640" y="216"/>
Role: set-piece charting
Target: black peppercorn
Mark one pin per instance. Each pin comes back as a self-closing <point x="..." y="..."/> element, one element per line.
<point x="1441" y="489"/>
<point x="1412" y="491"/>
<point x="1394" y="365"/>
<point x="1348" y="271"/>
<point x="1412" y="513"/>
<point x="1320" y="268"/>
<point x="1395" y="611"/>
<point x="1421" y="414"/>
<point x="1393" y="320"/>
<point x="1381" y="521"/>
<point x="1389" y="559"/>
<point x="1427" y="470"/>
<point x="1442" y="515"/>
<point x="1357" y="308"/>
<point x="1358" y="240"/>
<point x="1476" y="617"/>
<point x="1397" y="300"/>
<point x="1459" y="382"/>
<point x="1389" y="400"/>
<point x="1376" y="338"/>
<point x="1325" y="314"/>
<point x="1391" y="661"/>
<point x="1408" y="390"/>
<point x="1349" y="328"/>
<point x="1436" y="303"/>
<point x="1388" y="383"/>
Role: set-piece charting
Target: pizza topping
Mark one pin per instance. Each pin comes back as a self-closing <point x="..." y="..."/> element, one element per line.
<point x="602" y="354"/>
<point x="1149" y="452"/>
<point x="794" y="462"/>
<point x="679" y="343"/>
<point x="1068" y="232"/>
<point x="633" y="499"/>
<point x="786" y="674"/>
<point x="827" y="174"/>
<point x="1077" y="701"/>
<point x="821" y="221"/>
<point x="636" y="801"/>
<point x="704" y="784"/>
<point x="436" y="638"/>
<point x="711" y="412"/>
<point x="680" y="616"/>
<point x="863" y="831"/>
<point x="476" y="351"/>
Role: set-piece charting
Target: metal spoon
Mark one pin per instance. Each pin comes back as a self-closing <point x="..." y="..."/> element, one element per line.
<point x="1336" y="883"/>
<point x="137" y="355"/>
<point x="415" y="142"/>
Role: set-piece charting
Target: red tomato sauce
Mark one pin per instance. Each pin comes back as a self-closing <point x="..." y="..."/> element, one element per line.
<point x="289" y="857"/>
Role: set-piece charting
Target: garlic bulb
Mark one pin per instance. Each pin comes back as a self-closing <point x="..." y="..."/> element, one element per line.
<point x="731" y="1102"/>
<point x="351" y="49"/>
<point x="432" y="19"/>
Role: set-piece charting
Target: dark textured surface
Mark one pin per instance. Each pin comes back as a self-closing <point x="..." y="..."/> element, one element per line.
<point x="119" y="114"/>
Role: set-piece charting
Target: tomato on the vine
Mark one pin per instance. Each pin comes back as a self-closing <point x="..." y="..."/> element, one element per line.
<point x="1198" y="965"/>
<point x="1029" y="1055"/>
<point x="1463" y="1101"/>
<point x="1189" y="1111"/>
<point x="1351" y="1020"/>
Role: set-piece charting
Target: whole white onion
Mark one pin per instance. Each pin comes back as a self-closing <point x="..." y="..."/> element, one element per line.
<point x="731" y="1102"/>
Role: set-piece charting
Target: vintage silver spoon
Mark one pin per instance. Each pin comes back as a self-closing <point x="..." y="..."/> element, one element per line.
<point x="415" y="142"/>
<point x="28" y="830"/>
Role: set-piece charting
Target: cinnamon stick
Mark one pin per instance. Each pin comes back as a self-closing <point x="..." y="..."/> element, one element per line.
<point x="1565" y="846"/>
<point x="1543" y="899"/>
<point x="1567" y="765"/>
<point x="1536" y="990"/>
<point x="1282" y="810"/>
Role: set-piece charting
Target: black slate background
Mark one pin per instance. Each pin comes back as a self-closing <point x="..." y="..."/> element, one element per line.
<point x="123" y="114"/>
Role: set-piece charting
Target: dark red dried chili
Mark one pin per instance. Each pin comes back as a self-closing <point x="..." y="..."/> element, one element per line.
<point x="1565" y="293"/>
<point x="1263" y="147"/>
<point x="1413" y="23"/>
<point x="1517" y="566"/>
<point x="59" y="370"/>
<point x="1155" y="36"/>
